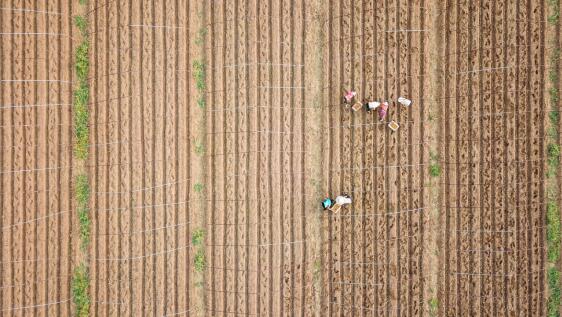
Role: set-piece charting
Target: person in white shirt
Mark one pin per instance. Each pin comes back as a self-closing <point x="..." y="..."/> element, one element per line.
<point x="343" y="200"/>
<point x="405" y="102"/>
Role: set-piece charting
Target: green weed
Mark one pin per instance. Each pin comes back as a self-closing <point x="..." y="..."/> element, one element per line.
<point x="433" y="306"/>
<point x="553" y="278"/>
<point x="82" y="65"/>
<point x="80" y="285"/>
<point x="434" y="167"/>
<point x="197" y="237"/>
<point x="554" y="96"/>
<point x="554" y="117"/>
<point x="82" y="24"/>
<point x="201" y="102"/>
<point x="198" y="187"/>
<point x="553" y="231"/>
<point x="199" y="148"/>
<point x="199" y="75"/>
<point x="200" y="38"/>
<point x="553" y="159"/>
<point x="199" y="261"/>
<point x="82" y="192"/>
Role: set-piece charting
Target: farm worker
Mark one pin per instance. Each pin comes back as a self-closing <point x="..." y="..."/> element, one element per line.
<point x="327" y="203"/>
<point x="348" y="96"/>
<point x="372" y="105"/>
<point x="383" y="110"/>
<point x="343" y="200"/>
<point x="405" y="102"/>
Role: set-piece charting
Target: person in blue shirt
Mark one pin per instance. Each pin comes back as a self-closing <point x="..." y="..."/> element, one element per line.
<point x="327" y="203"/>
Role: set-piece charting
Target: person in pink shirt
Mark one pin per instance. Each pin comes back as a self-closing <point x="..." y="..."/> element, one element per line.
<point x="348" y="96"/>
<point x="383" y="110"/>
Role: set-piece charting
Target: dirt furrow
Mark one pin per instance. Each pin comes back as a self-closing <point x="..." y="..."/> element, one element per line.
<point x="326" y="301"/>
<point x="252" y="163"/>
<point x="123" y="155"/>
<point x="182" y="94"/>
<point x="241" y="149"/>
<point x="53" y="156"/>
<point x="160" y="124"/>
<point x="522" y="149"/>
<point x="113" y="87"/>
<point x="137" y="56"/>
<point x="18" y="158"/>
<point x="485" y="264"/>
<point x="511" y="264"/>
<point x="41" y="140"/>
<point x="231" y="243"/>
<point x="97" y="203"/>
<point x="171" y="157"/>
<point x="536" y="152"/>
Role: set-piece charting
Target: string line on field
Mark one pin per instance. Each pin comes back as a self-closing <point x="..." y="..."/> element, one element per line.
<point x="144" y="255"/>
<point x="33" y="33"/>
<point x="29" y="10"/>
<point x="34" y="220"/>
<point x="158" y="26"/>
<point x="345" y="169"/>
<point x="35" y="81"/>
<point x="35" y="282"/>
<point x="34" y="306"/>
<point x="34" y="105"/>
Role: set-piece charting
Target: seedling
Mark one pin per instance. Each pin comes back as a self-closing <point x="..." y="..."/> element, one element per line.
<point x="199" y="148"/>
<point x="198" y="187"/>
<point x="433" y="306"/>
<point x="434" y="168"/>
<point x="197" y="237"/>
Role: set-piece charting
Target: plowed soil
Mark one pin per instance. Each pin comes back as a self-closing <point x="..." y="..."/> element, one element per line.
<point x="494" y="65"/>
<point x="38" y="248"/>
<point x="264" y="171"/>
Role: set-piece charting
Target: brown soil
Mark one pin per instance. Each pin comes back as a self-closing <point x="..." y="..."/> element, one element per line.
<point x="36" y="159"/>
<point x="269" y="249"/>
<point x="493" y="132"/>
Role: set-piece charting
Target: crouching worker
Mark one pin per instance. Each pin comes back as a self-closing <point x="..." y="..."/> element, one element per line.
<point x="329" y="204"/>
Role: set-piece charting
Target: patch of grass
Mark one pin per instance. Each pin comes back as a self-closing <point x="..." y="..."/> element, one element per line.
<point x="199" y="75"/>
<point x="199" y="148"/>
<point x="200" y="38"/>
<point x="554" y="117"/>
<point x="199" y="261"/>
<point x="80" y="285"/>
<point x="197" y="237"/>
<point x="198" y="187"/>
<point x="81" y="99"/>
<point x="553" y="278"/>
<point x="553" y="231"/>
<point x="82" y="192"/>
<point x="201" y="102"/>
<point x="553" y="151"/>
<point x="82" y="188"/>
<point x="434" y="167"/>
<point x="554" y="96"/>
<point x="82" y="24"/>
<point x="433" y="306"/>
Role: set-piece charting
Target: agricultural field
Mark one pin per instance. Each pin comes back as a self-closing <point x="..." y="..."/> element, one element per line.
<point x="169" y="157"/>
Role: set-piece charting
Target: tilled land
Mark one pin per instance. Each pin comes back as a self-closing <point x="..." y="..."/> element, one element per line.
<point x="475" y="71"/>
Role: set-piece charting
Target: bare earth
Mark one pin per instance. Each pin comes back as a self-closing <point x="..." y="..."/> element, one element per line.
<point x="270" y="250"/>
